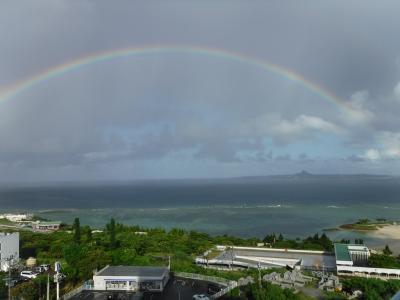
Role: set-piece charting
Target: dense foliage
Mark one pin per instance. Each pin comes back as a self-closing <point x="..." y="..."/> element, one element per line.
<point x="384" y="261"/>
<point x="3" y="287"/>
<point x="315" y="242"/>
<point x="81" y="250"/>
<point x="373" y="289"/>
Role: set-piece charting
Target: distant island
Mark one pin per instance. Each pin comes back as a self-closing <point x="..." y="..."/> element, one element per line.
<point x="304" y="174"/>
<point x="308" y="175"/>
<point x="367" y="225"/>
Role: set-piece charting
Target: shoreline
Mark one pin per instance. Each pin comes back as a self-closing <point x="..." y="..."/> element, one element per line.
<point x="383" y="234"/>
<point x="389" y="231"/>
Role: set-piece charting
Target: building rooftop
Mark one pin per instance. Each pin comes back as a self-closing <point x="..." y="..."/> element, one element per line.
<point x="49" y="223"/>
<point x="132" y="271"/>
<point x="342" y="252"/>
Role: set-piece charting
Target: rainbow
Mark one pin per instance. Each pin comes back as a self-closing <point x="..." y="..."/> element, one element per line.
<point x="17" y="88"/>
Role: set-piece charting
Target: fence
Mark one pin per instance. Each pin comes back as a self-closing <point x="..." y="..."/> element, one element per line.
<point x="72" y="293"/>
<point x="225" y="290"/>
<point x="229" y="284"/>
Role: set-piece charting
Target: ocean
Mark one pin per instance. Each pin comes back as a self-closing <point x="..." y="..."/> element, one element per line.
<point x="296" y="206"/>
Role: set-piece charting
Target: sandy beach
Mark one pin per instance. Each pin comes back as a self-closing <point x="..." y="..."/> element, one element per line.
<point x="388" y="231"/>
<point x="390" y="234"/>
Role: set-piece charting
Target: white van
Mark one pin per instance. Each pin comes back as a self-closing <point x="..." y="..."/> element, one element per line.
<point x="28" y="274"/>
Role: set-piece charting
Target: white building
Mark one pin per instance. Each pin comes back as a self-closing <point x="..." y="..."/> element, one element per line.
<point x="9" y="250"/>
<point x="43" y="226"/>
<point x="264" y="258"/>
<point x="16" y="217"/>
<point x="352" y="260"/>
<point x="351" y="255"/>
<point x="131" y="278"/>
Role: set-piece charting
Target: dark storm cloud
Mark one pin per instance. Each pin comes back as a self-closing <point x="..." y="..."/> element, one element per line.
<point x="199" y="111"/>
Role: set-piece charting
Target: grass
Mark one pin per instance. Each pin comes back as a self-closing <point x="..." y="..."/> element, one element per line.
<point x="213" y="253"/>
<point x="4" y="221"/>
<point x="360" y="227"/>
<point x="366" y="225"/>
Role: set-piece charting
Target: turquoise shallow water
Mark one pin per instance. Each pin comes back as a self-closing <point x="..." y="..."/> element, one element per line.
<point x="291" y="221"/>
<point x="295" y="207"/>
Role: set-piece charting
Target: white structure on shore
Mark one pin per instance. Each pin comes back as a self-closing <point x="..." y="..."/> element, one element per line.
<point x="264" y="258"/>
<point x="9" y="250"/>
<point x="16" y="217"/>
<point x="46" y="226"/>
<point x="347" y="260"/>
<point x="352" y="260"/>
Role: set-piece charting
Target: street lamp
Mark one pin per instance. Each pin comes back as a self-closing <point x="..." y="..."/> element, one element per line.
<point x="57" y="277"/>
<point x="8" y="279"/>
<point x="179" y="283"/>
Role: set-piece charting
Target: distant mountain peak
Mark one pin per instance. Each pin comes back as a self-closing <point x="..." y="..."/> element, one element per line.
<point x="304" y="173"/>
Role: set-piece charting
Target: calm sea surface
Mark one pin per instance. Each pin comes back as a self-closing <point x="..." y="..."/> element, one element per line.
<point x="294" y="206"/>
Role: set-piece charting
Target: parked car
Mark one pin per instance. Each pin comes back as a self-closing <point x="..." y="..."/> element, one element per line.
<point x="200" y="297"/>
<point x="45" y="267"/>
<point x="28" y="274"/>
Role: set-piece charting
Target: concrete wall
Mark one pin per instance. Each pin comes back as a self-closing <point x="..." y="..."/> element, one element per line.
<point x="9" y="246"/>
<point x="364" y="271"/>
<point x="100" y="281"/>
<point x="222" y="247"/>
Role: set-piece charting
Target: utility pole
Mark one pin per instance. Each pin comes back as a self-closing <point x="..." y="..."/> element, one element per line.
<point x="259" y="273"/>
<point x="179" y="283"/>
<point x="48" y="286"/>
<point x="10" y="259"/>
<point x="9" y="278"/>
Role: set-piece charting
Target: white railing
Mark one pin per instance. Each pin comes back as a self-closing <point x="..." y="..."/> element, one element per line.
<point x="368" y="271"/>
<point x="215" y="279"/>
<point x="284" y="250"/>
<point x="225" y="290"/>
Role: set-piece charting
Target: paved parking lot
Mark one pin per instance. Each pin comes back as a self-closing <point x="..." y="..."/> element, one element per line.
<point x="185" y="287"/>
<point x="98" y="295"/>
<point x="176" y="287"/>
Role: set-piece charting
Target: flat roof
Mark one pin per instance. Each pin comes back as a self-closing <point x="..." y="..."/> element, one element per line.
<point x="342" y="252"/>
<point x="307" y="259"/>
<point x="353" y="247"/>
<point x="139" y="271"/>
<point x="49" y="223"/>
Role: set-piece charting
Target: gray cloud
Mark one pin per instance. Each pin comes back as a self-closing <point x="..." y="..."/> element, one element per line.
<point x="205" y="113"/>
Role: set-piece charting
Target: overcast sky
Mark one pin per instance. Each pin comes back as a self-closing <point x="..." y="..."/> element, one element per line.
<point x="187" y="115"/>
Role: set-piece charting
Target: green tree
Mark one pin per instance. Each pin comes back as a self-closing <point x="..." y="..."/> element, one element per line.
<point x="88" y="232"/>
<point x="271" y="238"/>
<point x="387" y="250"/>
<point x="383" y="261"/>
<point x="77" y="231"/>
<point x="73" y="255"/>
<point x="111" y="229"/>
<point x="363" y="221"/>
<point x="3" y="287"/>
<point x="25" y="291"/>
